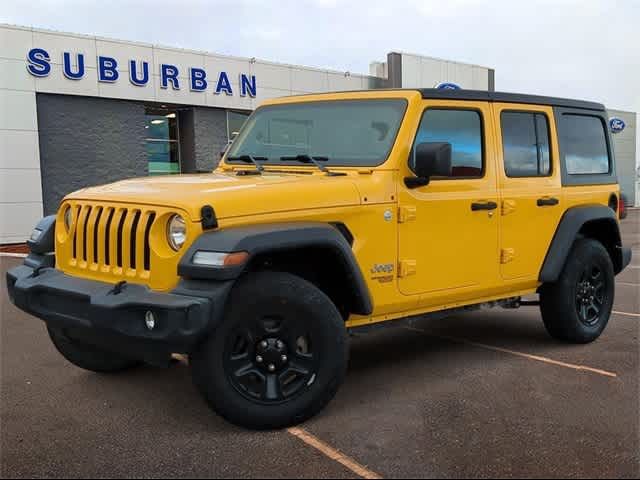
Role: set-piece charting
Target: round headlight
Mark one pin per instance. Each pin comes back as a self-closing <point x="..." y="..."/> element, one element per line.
<point x="176" y="232"/>
<point x="68" y="218"/>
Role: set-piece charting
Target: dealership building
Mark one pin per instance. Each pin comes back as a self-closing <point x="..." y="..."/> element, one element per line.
<point x="79" y="110"/>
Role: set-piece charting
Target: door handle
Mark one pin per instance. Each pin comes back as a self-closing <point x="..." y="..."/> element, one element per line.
<point x="476" y="206"/>
<point x="548" y="202"/>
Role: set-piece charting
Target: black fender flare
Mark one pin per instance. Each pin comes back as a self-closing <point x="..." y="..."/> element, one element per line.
<point x="571" y="224"/>
<point x="268" y="238"/>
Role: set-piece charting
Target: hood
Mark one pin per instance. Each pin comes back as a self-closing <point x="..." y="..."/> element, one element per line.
<point x="229" y="194"/>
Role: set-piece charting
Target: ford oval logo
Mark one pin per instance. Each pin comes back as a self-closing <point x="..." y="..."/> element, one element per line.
<point x="617" y="125"/>
<point x="448" y="86"/>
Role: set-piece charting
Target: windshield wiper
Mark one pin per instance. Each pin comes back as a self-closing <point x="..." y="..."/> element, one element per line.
<point x="303" y="158"/>
<point x="251" y="159"/>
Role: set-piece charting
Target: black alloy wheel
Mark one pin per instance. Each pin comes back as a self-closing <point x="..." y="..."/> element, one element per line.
<point x="271" y="359"/>
<point x="590" y="294"/>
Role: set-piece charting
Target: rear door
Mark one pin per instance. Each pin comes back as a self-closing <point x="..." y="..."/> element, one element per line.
<point x="529" y="180"/>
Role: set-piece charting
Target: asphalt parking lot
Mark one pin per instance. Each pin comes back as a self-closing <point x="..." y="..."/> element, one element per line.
<point x="481" y="394"/>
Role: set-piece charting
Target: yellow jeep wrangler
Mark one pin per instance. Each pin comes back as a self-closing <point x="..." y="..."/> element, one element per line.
<point x="331" y="213"/>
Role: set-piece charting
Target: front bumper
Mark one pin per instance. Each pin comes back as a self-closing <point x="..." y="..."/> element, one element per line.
<point x="113" y="319"/>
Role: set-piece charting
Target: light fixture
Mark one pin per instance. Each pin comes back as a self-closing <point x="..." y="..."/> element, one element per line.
<point x="219" y="259"/>
<point x="68" y="218"/>
<point x="176" y="232"/>
<point x="170" y="115"/>
<point x="157" y="122"/>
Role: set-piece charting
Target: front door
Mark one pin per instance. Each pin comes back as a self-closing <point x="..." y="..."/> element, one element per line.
<point x="530" y="185"/>
<point x="448" y="232"/>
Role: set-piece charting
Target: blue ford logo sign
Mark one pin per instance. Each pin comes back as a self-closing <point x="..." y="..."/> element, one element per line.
<point x="617" y="125"/>
<point x="448" y="86"/>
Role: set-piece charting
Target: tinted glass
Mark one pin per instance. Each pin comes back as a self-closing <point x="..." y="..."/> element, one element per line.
<point x="463" y="130"/>
<point x="584" y="145"/>
<point x="525" y="143"/>
<point x="163" y="152"/>
<point x="235" y="121"/>
<point x="349" y="133"/>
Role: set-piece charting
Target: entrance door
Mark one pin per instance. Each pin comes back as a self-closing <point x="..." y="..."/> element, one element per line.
<point x="448" y="232"/>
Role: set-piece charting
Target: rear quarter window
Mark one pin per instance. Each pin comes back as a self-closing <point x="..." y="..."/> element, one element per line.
<point x="585" y="145"/>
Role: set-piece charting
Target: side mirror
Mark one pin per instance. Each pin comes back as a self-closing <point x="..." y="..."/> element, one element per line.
<point x="432" y="159"/>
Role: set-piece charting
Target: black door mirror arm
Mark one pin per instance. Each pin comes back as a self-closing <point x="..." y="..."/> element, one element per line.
<point x="416" y="182"/>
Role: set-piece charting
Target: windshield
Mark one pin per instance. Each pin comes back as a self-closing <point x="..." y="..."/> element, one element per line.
<point x="347" y="132"/>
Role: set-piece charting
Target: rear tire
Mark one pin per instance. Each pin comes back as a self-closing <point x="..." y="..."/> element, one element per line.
<point x="88" y="357"/>
<point x="277" y="358"/>
<point x="576" y="308"/>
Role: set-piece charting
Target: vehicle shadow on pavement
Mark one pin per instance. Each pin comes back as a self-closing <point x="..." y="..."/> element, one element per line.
<point x="168" y="392"/>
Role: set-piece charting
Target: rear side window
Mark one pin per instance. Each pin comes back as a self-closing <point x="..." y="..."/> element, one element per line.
<point x="584" y="145"/>
<point x="525" y="143"/>
<point x="463" y="130"/>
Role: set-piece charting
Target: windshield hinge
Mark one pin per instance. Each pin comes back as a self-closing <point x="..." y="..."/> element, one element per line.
<point x="406" y="213"/>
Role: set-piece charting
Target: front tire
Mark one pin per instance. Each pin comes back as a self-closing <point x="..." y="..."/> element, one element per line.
<point x="277" y="358"/>
<point x="577" y="307"/>
<point x="88" y="357"/>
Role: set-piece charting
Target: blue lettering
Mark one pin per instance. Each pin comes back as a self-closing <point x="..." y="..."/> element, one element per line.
<point x="224" y="84"/>
<point x="198" y="82"/>
<point x="39" y="65"/>
<point x="107" y="69"/>
<point x="67" y="67"/>
<point x="169" y="73"/>
<point x="133" y="73"/>
<point x="247" y="85"/>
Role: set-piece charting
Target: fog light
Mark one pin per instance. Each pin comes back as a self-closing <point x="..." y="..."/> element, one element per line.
<point x="150" y="320"/>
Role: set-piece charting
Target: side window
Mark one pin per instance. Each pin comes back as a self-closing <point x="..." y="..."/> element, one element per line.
<point x="463" y="130"/>
<point x="584" y="144"/>
<point x="525" y="144"/>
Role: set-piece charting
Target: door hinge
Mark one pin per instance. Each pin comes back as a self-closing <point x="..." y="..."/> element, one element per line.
<point x="406" y="268"/>
<point x="406" y="214"/>
<point x="508" y="206"/>
<point x="507" y="255"/>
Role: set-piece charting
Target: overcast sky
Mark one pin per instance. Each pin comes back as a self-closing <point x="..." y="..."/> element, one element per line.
<point x="577" y="48"/>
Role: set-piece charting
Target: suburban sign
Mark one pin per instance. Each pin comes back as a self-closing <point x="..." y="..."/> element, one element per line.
<point x="109" y="71"/>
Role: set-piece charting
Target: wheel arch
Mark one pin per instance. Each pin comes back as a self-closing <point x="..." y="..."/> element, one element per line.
<point x="591" y="221"/>
<point x="319" y="252"/>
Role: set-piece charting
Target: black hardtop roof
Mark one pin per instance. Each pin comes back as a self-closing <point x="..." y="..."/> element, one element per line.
<point x="485" y="96"/>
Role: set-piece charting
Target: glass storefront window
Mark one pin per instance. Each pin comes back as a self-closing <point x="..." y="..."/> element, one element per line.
<point x="163" y="151"/>
<point x="235" y="121"/>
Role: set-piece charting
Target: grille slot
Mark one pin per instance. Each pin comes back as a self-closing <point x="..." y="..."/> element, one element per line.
<point x="119" y="238"/>
<point x="107" y="234"/>
<point x="147" y="248"/>
<point x="112" y="240"/>
<point x="95" y="234"/>
<point x="132" y="239"/>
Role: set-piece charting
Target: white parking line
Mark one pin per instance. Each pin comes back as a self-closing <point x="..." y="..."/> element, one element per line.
<point x="13" y="255"/>
<point x="626" y="313"/>
<point x="519" y="354"/>
<point x="313" y="441"/>
<point x="332" y="453"/>
<point x="628" y="284"/>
